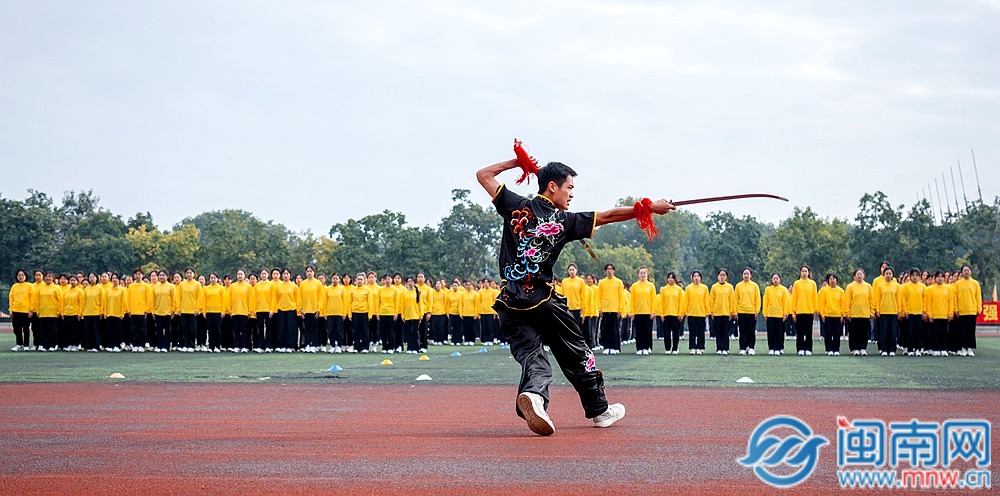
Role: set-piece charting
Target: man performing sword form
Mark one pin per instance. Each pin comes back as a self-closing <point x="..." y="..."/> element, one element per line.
<point x="532" y="315"/>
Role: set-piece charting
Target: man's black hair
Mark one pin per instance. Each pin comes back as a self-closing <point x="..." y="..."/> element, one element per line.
<point x="553" y="171"/>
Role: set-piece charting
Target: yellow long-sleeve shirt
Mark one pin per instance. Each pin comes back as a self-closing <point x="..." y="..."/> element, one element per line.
<point x="335" y="301"/>
<point x="968" y="297"/>
<point x="696" y="301"/>
<point x="831" y="301"/>
<point x="468" y="304"/>
<point x="73" y="301"/>
<point x="611" y="296"/>
<point x="261" y="297"/>
<point x="409" y="306"/>
<point x="722" y="299"/>
<point x="387" y="301"/>
<point x="239" y="298"/>
<point x="363" y="300"/>
<point x="285" y="297"/>
<point x="777" y="302"/>
<point x="215" y="298"/>
<point x="140" y="298"/>
<point x="670" y="301"/>
<point x="49" y="300"/>
<point x="426" y="294"/>
<point x="589" y="295"/>
<point x="747" y="297"/>
<point x="455" y="301"/>
<point x="572" y="288"/>
<point x="310" y="293"/>
<point x="487" y="296"/>
<point x="190" y="296"/>
<point x="642" y="299"/>
<point x="439" y="306"/>
<point x="20" y="297"/>
<point x="93" y="301"/>
<point x="805" y="297"/>
<point x="115" y="301"/>
<point x="165" y="298"/>
<point x="913" y="297"/>
<point x="859" y="300"/>
<point x="939" y="301"/>
<point x="888" y="298"/>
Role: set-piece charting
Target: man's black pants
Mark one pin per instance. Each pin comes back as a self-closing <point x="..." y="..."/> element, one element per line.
<point x="550" y="324"/>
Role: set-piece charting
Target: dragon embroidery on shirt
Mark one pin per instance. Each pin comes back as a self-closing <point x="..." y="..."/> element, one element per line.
<point x="534" y="239"/>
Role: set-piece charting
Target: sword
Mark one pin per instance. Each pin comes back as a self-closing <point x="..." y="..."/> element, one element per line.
<point x="695" y="201"/>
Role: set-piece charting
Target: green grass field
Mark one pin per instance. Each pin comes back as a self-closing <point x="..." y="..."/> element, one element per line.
<point x="498" y="367"/>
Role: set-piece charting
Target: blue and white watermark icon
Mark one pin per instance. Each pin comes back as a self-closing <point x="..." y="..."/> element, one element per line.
<point x="769" y="454"/>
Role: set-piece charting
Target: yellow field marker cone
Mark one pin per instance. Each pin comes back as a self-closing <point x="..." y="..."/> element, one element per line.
<point x="386" y="362"/>
<point x="424" y="357"/>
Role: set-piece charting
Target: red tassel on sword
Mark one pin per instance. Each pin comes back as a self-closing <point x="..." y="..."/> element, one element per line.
<point x="527" y="163"/>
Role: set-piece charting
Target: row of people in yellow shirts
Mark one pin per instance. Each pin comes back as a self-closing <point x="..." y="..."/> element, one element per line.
<point x="885" y="295"/>
<point x="109" y="295"/>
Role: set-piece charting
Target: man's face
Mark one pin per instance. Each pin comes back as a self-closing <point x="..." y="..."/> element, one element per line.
<point x="561" y="195"/>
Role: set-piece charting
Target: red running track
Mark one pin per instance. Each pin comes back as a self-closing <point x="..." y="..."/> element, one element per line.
<point x="246" y="439"/>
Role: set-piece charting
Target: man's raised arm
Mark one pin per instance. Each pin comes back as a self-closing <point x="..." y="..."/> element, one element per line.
<point x="487" y="176"/>
<point x="621" y="214"/>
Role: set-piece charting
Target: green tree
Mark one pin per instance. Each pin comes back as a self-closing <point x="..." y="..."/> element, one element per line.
<point x="732" y="243"/>
<point x="470" y="235"/>
<point x="807" y="239"/>
<point x="877" y="236"/>
<point x="28" y="234"/>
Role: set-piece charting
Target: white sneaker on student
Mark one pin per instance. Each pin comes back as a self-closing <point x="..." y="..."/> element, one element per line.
<point x="532" y="406"/>
<point x="971" y="353"/>
<point x="614" y="413"/>
<point x="808" y="353"/>
<point x="751" y="351"/>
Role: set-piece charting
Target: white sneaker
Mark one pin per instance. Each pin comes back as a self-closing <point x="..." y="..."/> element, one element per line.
<point x="836" y="353"/>
<point x="963" y="352"/>
<point x="751" y="351"/>
<point x="892" y="353"/>
<point x="673" y="352"/>
<point x="692" y="352"/>
<point x="614" y="413"/>
<point x="884" y="354"/>
<point x="639" y="352"/>
<point x="725" y="353"/>
<point x="808" y="353"/>
<point x="16" y="347"/>
<point x="971" y="353"/>
<point x="802" y="353"/>
<point x="864" y="352"/>
<point x="743" y="352"/>
<point x="607" y="352"/>
<point x="532" y="406"/>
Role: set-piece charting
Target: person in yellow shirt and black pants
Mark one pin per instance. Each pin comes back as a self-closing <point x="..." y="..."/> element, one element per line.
<point x="469" y="311"/>
<point x="284" y="304"/>
<point x="439" y="313"/>
<point x="913" y="334"/>
<point x="115" y="308"/>
<point x="214" y="296"/>
<point x="670" y="303"/>
<point x="411" y="312"/>
<point x="487" y="296"/>
<point x="140" y="305"/>
<point x="747" y="308"/>
<point x="362" y="308"/>
<point x="336" y="302"/>
<point x="859" y="306"/>
<point x="804" y="307"/>
<point x="310" y="291"/>
<point x="20" y="298"/>
<point x="387" y="300"/>
<point x="426" y="293"/>
<point x="939" y="309"/>
<point x="643" y="309"/>
<point x="72" y="314"/>
<point x="888" y="306"/>
<point x="240" y="311"/>
<point x="776" y="306"/>
<point x="968" y="305"/>
<point x="831" y="314"/>
<point x="696" y="308"/>
<point x="612" y="306"/>
<point x="723" y="308"/>
<point x="48" y="302"/>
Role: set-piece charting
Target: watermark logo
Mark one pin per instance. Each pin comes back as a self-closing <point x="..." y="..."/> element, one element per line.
<point x="874" y="454"/>
<point x="783" y="461"/>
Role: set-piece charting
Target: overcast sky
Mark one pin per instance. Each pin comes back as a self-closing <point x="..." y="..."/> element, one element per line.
<point x="309" y="113"/>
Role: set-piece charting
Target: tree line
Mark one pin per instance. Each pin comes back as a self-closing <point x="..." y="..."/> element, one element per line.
<point x="78" y="234"/>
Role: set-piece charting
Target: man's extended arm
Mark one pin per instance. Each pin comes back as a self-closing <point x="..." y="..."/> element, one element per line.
<point x="621" y="214"/>
<point x="487" y="175"/>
